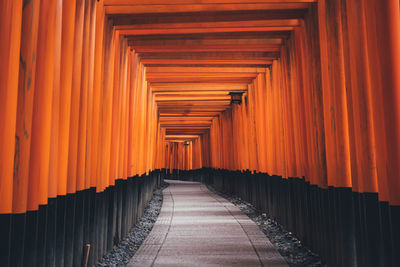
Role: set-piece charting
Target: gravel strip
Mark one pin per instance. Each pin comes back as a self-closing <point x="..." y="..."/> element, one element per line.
<point x="291" y="249"/>
<point x="125" y="250"/>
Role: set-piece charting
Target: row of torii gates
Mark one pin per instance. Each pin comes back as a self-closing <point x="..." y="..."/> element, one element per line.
<point x="102" y="99"/>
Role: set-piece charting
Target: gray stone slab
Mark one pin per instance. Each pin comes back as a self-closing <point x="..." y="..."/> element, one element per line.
<point x="199" y="228"/>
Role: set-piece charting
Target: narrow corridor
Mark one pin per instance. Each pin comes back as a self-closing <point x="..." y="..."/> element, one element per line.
<point x="199" y="228"/>
<point x="291" y="105"/>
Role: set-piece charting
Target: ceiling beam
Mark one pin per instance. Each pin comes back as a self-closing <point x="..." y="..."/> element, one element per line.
<point x="150" y="62"/>
<point x="131" y="32"/>
<point x="189" y="115"/>
<point x="187" y="2"/>
<point x="212" y="55"/>
<point x="206" y="48"/>
<point x="204" y="70"/>
<point x="206" y="86"/>
<point x="161" y="99"/>
<point x="194" y="7"/>
<point x="132" y="41"/>
<point x="217" y="24"/>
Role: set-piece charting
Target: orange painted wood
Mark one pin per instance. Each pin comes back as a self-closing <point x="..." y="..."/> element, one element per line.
<point x="42" y="110"/>
<point x="117" y="107"/>
<point x="217" y="24"/>
<point x="67" y="46"/>
<point x="89" y="180"/>
<point x="373" y="35"/>
<point x="55" y="118"/>
<point x="76" y="90"/>
<point x="365" y="156"/>
<point x="182" y="70"/>
<point x="155" y="2"/>
<point x="178" y="8"/>
<point x="209" y="48"/>
<point x="97" y="88"/>
<point x="26" y="91"/>
<point x="334" y="95"/>
<point x="133" y="76"/>
<point x="204" y="30"/>
<point x="86" y="87"/>
<point x="287" y="122"/>
<point x="106" y="101"/>
<point x="112" y="97"/>
<point x="259" y="39"/>
<point x="10" y="37"/>
<point x="125" y="96"/>
<point x="388" y="25"/>
<point x="204" y="62"/>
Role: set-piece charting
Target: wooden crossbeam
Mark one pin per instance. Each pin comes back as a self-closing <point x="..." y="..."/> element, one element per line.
<point x="182" y="8"/>
<point x="191" y="2"/>
<point x="206" y="86"/>
<point x="150" y="62"/>
<point x="204" y="70"/>
<point x="239" y="55"/>
<point x="208" y="48"/>
<point x="217" y="24"/>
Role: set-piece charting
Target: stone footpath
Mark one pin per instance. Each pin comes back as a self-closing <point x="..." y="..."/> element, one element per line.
<point x="199" y="228"/>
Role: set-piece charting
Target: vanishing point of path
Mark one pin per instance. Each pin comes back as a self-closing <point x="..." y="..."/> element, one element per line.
<point x="198" y="228"/>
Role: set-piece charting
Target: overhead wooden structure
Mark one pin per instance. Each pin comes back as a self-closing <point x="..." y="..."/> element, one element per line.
<point x="95" y="92"/>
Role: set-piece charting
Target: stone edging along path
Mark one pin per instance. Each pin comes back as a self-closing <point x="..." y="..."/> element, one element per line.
<point x="291" y="249"/>
<point x="125" y="250"/>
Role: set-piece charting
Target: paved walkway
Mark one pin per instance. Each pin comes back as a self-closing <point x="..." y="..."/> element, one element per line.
<point x="198" y="228"/>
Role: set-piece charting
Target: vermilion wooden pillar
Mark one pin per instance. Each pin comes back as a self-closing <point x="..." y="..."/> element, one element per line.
<point x="76" y="90"/>
<point x="97" y="87"/>
<point x="67" y="46"/>
<point x="361" y="101"/>
<point x="389" y="14"/>
<point x="41" y="121"/>
<point x="334" y="94"/>
<point x="55" y="118"/>
<point x="10" y="34"/>
<point x="26" y="91"/>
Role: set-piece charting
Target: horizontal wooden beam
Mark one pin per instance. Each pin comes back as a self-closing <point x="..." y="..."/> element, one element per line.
<point x="185" y="122"/>
<point x="182" y="8"/>
<point x="206" y="86"/>
<point x="182" y="136"/>
<point x="190" y="2"/>
<point x="185" y="130"/>
<point x="186" y="127"/>
<point x="203" y="118"/>
<point x="204" y="70"/>
<point x="240" y="55"/>
<point x="198" y="132"/>
<point x="161" y="99"/>
<point x="203" y="30"/>
<point x="221" y="41"/>
<point x="208" y="48"/>
<point x="201" y="77"/>
<point x="209" y="16"/>
<point x="191" y="103"/>
<point x="188" y="108"/>
<point x="149" y="62"/>
<point x="216" y="111"/>
<point x="192" y="114"/>
<point x="190" y="93"/>
<point x="217" y="24"/>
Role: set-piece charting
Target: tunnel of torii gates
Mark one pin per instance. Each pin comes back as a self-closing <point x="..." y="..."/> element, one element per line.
<point x="102" y="100"/>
